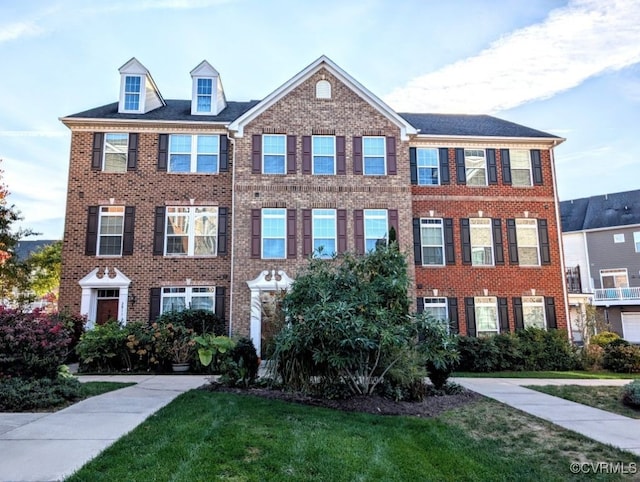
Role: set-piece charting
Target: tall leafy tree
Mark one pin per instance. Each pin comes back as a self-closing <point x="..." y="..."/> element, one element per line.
<point x="45" y="265"/>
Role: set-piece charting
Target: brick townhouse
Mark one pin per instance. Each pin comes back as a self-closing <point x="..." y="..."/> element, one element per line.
<point x="216" y="204"/>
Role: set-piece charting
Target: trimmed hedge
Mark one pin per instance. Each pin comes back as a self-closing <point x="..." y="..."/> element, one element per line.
<point x="22" y="395"/>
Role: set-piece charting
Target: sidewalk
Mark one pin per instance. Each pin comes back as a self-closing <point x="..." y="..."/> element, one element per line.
<point x="51" y="446"/>
<point x="599" y="425"/>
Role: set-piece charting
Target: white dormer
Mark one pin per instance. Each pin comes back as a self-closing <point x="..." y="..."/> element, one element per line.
<point x="138" y="92"/>
<point x="207" y="95"/>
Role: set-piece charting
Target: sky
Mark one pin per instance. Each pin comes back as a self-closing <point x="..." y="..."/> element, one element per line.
<point x="570" y="68"/>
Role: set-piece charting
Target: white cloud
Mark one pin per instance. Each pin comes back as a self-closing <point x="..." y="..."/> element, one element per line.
<point x="581" y="40"/>
<point x="18" y="30"/>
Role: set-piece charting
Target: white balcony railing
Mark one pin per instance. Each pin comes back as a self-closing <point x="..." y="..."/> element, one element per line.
<point x="617" y="295"/>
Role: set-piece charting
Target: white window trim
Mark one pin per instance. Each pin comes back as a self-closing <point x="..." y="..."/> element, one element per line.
<point x="418" y="167"/>
<point x="618" y="238"/>
<point x="486" y="223"/>
<point x="486" y="301"/>
<point x="323" y="89"/>
<point x="315" y="214"/>
<point x="313" y="156"/>
<point x="437" y="302"/>
<point x="636" y="241"/>
<point x="191" y="234"/>
<point x="104" y="152"/>
<point x="374" y="216"/>
<point x="141" y="94"/>
<point x="188" y="295"/>
<point x="100" y="235"/>
<point x="512" y="169"/>
<point x="532" y="226"/>
<point x="484" y="155"/>
<point x="534" y="301"/>
<point x="211" y="96"/>
<point x="284" y="155"/>
<point x="263" y="237"/>
<point x="614" y="272"/>
<point x="425" y="222"/>
<point x="193" y="156"/>
<point x="384" y="155"/>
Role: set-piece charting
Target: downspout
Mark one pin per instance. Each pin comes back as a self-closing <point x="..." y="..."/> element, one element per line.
<point x="559" y="234"/>
<point x="233" y="232"/>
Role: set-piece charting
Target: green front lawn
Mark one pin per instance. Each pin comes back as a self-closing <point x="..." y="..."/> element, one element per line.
<point x="605" y="398"/>
<point x="92" y="389"/>
<point x="601" y="375"/>
<point x="219" y="436"/>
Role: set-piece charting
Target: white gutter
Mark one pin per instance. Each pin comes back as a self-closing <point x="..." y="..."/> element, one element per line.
<point x="233" y="234"/>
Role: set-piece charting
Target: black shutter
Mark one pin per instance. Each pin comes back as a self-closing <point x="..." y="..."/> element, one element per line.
<point x="256" y="234"/>
<point x="256" y="154"/>
<point x="470" y="312"/>
<point x="132" y="155"/>
<point x="163" y="152"/>
<point x="449" y="246"/>
<point x="454" y="323"/>
<point x="154" y="303"/>
<point x="357" y="155"/>
<point x="358" y="222"/>
<point x="220" y="302"/>
<point x="503" y="315"/>
<point x="505" y="160"/>
<point x="543" y="236"/>
<point x="307" y="232"/>
<point x="413" y="165"/>
<point x="342" y="230"/>
<point x="91" y="241"/>
<point x="417" y="242"/>
<point x="536" y="164"/>
<point x="306" y="155"/>
<point x="465" y="234"/>
<point x="291" y="234"/>
<point x="158" y="231"/>
<point x="341" y="155"/>
<point x="550" y="312"/>
<point x="420" y="304"/>
<point x="392" y="215"/>
<point x="518" y="315"/>
<point x="291" y="155"/>
<point x="492" y="168"/>
<point x="96" y="154"/>
<point x="512" y="239"/>
<point x="497" y="241"/>
<point x="222" y="230"/>
<point x="224" y="153"/>
<point x="392" y="166"/>
<point x="443" y="154"/>
<point x="128" y="230"/>
<point x="461" y="175"/>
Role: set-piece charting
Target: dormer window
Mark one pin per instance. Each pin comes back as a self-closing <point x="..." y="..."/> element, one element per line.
<point x="205" y="89"/>
<point x="132" y="93"/>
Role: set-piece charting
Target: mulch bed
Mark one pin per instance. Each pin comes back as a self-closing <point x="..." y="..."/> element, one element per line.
<point x="429" y="407"/>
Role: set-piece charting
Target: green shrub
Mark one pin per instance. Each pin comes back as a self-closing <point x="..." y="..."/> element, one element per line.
<point x="200" y="321"/>
<point x="547" y="350"/>
<point x="509" y="354"/>
<point x="621" y="357"/>
<point x="631" y="394"/>
<point x="592" y="357"/>
<point x="439" y="348"/>
<point x="21" y="395"/>
<point x="103" y="348"/>
<point x="602" y="339"/>
<point x="478" y="354"/>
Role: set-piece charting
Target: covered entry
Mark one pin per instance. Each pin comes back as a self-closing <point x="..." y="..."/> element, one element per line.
<point x="105" y="292"/>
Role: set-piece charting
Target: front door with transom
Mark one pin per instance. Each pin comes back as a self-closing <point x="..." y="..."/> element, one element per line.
<point x="107" y="308"/>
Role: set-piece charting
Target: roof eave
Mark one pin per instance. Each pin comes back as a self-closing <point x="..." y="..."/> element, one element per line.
<point x="70" y="121"/>
<point x="553" y="141"/>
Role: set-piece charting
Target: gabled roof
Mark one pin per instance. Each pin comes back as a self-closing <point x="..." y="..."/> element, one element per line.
<point x="174" y="110"/>
<point x="602" y="211"/>
<point x="204" y="69"/>
<point x="471" y="125"/>
<point x="322" y="62"/>
<point x="135" y="67"/>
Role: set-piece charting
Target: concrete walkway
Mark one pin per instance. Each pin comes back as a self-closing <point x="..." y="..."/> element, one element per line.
<point x="605" y="427"/>
<point x="51" y="446"/>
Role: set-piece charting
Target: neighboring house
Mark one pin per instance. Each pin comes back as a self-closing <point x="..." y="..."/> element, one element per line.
<point x="212" y="203"/>
<point x="601" y="237"/>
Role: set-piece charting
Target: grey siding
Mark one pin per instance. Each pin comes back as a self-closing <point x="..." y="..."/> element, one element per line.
<point x="605" y="254"/>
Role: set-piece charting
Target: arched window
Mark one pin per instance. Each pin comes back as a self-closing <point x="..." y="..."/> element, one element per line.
<point x="323" y="89"/>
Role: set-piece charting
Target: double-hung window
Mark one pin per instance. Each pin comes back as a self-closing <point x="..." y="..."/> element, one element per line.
<point x="324" y="154"/>
<point x="428" y="167"/>
<point x="374" y="157"/>
<point x="115" y="152"/>
<point x="533" y="312"/>
<point x="110" y="229"/>
<point x="527" y="239"/>
<point x="324" y="232"/>
<point x="375" y="228"/>
<point x="432" y="241"/>
<point x="180" y="298"/>
<point x="486" y="311"/>
<point x="192" y="153"/>
<point x="274" y="233"/>
<point x="520" y="160"/>
<point x="132" y="88"/>
<point x="205" y="89"/>
<point x="273" y="154"/>
<point x="191" y="231"/>
<point x="437" y="308"/>
<point x="481" y="242"/>
<point x="475" y="165"/>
